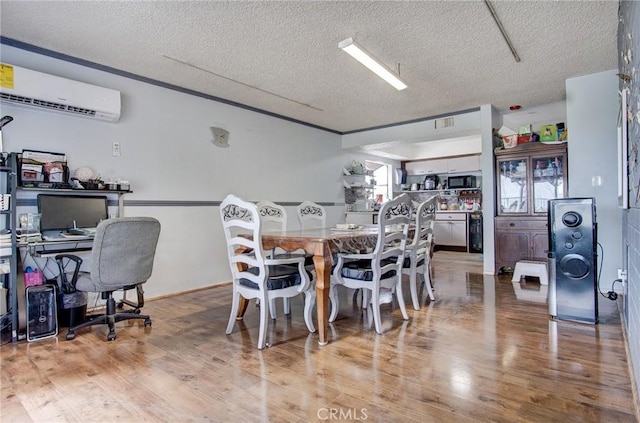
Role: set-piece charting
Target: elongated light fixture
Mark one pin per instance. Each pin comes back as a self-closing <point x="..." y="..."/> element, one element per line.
<point x="358" y="53"/>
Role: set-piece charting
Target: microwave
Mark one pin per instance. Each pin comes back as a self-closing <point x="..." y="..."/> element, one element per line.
<point x="462" y="181"/>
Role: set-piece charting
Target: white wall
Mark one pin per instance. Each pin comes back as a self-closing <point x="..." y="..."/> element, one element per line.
<point x="490" y="119"/>
<point x="168" y="157"/>
<point x="466" y="124"/>
<point x="546" y="114"/>
<point x="592" y="116"/>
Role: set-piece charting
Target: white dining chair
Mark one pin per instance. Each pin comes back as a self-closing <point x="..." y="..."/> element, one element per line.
<point x="311" y="214"/>
<point x="274" y="216"/>
<point x="254" y="274"/>
<point x="417" y="259"/>
<point x="379" y="271"/>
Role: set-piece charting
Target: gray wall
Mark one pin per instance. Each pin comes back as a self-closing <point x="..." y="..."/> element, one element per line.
<point x="629" y="63"/>
<point x="177" y="175"/>
<point x="592" y="118"/>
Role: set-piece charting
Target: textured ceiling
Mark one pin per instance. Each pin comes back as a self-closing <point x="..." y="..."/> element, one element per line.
<point x="451" y="54"/>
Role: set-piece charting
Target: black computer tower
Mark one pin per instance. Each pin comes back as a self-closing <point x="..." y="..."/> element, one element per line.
<point x="573" y="273"/>
<point x="42" y="319"/>
<point x="475" y="233"/>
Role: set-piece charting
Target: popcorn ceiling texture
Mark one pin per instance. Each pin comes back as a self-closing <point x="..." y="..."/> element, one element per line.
<point x="450" y="53"/>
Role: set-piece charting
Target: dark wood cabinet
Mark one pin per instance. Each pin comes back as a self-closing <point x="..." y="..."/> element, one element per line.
<point x="527" y="177"/>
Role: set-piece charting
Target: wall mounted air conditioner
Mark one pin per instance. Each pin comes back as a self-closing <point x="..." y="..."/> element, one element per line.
<point x="26" y="87"/>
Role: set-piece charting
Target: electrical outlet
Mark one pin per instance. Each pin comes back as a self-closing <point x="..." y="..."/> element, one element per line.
<point x="622" y="274"/>
<point x="116" y="149"/>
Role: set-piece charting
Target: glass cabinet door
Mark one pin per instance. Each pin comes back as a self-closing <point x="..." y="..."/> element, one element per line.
<point x="548" y="180"/>
<point x="512" y="195"/>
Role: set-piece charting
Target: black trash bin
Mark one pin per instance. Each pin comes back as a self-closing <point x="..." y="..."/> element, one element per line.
<point x="72" y="308"/>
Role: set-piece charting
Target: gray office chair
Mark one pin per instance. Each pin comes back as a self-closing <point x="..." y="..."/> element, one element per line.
<point x="121" y="259"/>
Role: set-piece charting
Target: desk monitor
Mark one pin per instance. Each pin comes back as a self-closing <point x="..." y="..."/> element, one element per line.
<point x="59" y="212"/>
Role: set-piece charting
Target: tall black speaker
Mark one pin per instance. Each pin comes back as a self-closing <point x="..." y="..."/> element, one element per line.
<point x="573" y="273"/>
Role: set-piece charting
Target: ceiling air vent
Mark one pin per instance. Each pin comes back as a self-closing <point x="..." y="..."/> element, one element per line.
<point x="444" y="123"/>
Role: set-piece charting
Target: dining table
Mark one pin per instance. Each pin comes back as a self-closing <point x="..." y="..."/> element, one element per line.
<point x="323" y="243"/>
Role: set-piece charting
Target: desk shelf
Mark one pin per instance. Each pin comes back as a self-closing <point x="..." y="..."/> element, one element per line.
<point x="9" y="320"/>
<point x="76" y="191"/>
<point x="13" y="320"/>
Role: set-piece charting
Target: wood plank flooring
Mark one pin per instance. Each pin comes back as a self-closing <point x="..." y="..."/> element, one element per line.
<point x="476" y="354"/>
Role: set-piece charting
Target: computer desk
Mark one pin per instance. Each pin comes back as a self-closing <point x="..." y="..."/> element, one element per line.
<point x="41" y="255"/>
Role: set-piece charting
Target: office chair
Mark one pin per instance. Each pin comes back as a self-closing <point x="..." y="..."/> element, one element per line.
<point x="121" y="259"/>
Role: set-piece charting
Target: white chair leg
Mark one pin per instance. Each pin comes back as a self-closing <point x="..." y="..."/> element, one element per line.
<point x="426" y="279"/>
<point x="400" y="297"/>
<point x="286" y="305"/>
<point x="365" y="297"/>
<point x="272" y="308"/>
<point x="375" y="308"/>
<point x="335" y="303"/>
<point x="413" y="288"/>
<point x="309" y="301"/>
<point x="235" y="303"/>
<point x="264" y="322"/>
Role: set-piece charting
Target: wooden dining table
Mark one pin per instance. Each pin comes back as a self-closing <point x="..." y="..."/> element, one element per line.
<point x="323" y="243"/>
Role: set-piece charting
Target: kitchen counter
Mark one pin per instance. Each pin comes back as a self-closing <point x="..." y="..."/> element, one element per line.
<point x="458" y="211"/>
<point x="362" y="217"/>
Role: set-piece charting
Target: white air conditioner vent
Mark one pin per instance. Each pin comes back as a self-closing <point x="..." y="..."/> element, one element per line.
<point x="444" y="123"/>
<point x="29" y="88"/>
<point x="46" y="105"/>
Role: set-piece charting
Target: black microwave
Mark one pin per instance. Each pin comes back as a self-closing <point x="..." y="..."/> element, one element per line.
<point x="462" y="181"/>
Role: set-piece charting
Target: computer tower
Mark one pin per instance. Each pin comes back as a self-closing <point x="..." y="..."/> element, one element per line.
<point x="573" y="273"/>
<point x="42" y="319"/>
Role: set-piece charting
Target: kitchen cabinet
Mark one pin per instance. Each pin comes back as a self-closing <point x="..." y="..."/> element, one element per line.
<point x="528" y="176"/>
<point x="450" y="230"/>
<point x="427" y="167"/>
<point x="520" y="239"/>
<point x="458" y="164"/>
<point x="464" y="164"/>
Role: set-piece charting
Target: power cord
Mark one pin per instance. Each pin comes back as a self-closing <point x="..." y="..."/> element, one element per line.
<point x="612" y="295"/>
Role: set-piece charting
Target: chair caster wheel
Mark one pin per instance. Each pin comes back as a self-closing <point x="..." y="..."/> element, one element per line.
<point x="147" y="322"/>
<point x="70" y="336"/>
<point x="111" y="336"/>
<point x="120" y="305"/>
<point x="136" y="311"/>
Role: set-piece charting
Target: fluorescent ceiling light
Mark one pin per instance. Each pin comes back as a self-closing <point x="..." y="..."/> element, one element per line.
<point x="358" y="53"/>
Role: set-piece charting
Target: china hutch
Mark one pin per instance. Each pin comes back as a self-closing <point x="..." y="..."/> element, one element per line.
<point x="527" y="177"/>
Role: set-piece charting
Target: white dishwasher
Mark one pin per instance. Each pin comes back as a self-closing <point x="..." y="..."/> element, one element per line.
<point x="451" y="229"/>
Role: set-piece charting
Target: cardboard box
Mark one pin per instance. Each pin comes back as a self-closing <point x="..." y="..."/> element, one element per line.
<point x="561" y="132"/>
<point x="525" y="130"/>
<point x="523" y="139"/>
<point x="548" y="133"/>
<point x="510" y="141"/>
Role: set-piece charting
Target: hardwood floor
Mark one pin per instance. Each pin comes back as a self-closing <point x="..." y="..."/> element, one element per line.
<point x="476" y="354"/>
